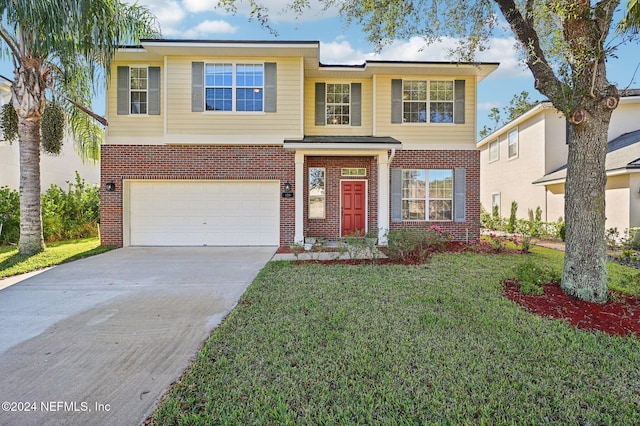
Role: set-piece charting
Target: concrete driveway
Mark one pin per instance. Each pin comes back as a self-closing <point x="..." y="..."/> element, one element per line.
<point x="99" y="340"/>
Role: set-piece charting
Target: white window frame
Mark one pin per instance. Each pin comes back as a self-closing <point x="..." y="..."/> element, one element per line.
<point x="495" y="195"/>
<point x="513" y="141"/>
<point x="428" y="101"/>
<point x="323" y="195"/>
<point x="234" y="87"/>
<point x="331" y="118"/>
<point x="145" y="90"/>
<point x="494" y="151"/>
<point x="427" y="199"/>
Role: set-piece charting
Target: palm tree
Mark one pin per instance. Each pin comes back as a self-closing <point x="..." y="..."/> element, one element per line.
<point x="61" y="50"/>
<point x="631" y="21"/>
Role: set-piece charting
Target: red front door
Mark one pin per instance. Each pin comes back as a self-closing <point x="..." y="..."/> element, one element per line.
<point x="354" y="207"/>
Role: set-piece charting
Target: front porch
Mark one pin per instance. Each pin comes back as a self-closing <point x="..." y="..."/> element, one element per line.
<point x="342" y="186"/>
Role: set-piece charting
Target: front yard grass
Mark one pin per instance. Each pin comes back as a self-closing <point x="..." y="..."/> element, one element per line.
<point x="429" y="344"/>
<point x="11" y="263"/>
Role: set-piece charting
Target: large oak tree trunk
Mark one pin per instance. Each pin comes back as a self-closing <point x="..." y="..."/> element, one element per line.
<point x="585" y="273"/>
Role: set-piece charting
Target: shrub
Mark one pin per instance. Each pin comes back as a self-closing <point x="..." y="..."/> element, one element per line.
<point x="71" y="214"/>
<point x="9" y="215"/>
<point x="531" y="277"/>
<point x="415" y="244"/>
<point x="511" y="226"/>
<point x="561" y="230"/>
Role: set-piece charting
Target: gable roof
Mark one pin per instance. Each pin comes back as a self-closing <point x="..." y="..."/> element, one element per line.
<point x="623" y="154"/>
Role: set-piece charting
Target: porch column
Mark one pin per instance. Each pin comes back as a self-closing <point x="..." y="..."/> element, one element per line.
<point x="299" y="200"/>
<point x="383" y="198"/>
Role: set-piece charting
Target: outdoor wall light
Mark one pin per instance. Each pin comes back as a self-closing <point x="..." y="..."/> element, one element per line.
<point x="110" y="186"/>
<point x="287" y="187"/>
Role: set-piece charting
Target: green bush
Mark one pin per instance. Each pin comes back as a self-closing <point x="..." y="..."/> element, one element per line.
<point x="532" y="277"/>
<point x="9" y="215"/>
<point x="71" y="214"/>
<point x="511" y="226"/>
<point x="415" y="244"/>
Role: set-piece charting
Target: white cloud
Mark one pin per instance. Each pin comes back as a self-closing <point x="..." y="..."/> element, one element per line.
<point x="169" y="13"/>
<point x="208" y="27"/>
<point x="486" y="106"/>
<point x="197" y="6"/>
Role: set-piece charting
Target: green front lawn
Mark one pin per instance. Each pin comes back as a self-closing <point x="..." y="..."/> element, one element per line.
<point x="429" y="344"/>
<point x="11" y="263"/>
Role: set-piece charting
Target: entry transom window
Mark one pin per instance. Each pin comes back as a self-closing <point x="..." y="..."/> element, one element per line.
<point x="420" y="96"/>
<point x="234" y="87"/>
<point x="317" y="193"/>
<point x="338" y="103"/>
<point x="353" y="171"/>
<point x="427" y="195"/>
<point x="138" y="90"/>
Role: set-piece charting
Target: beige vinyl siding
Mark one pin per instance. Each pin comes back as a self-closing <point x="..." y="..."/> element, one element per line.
<point x="251" y="125"/>
<point x="310" y="128"/>
<point x="425" y="135"/>
<point x="134" y="126"/>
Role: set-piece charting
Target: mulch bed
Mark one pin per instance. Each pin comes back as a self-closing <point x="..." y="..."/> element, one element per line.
<point x="620" y="316"/>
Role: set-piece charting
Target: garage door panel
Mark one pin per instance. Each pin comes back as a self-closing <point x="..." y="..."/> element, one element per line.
<point x="204" y="213"/>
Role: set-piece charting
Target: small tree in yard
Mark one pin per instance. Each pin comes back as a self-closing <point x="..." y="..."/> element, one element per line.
<point x="59" y="49"/>
<point x="564" y="44"/>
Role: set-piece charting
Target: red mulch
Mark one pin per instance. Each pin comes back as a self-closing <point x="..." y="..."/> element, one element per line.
<point x="620" y="316"/>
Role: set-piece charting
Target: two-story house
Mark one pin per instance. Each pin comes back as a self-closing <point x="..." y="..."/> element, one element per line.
<point x="258" y="143"/>
<point x="525" y="161"/>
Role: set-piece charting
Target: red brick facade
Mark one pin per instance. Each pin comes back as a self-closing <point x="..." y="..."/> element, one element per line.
<point x="202" y="162"/>
<point x="205" y="162"/>
<point x="447" y="159"/>
<point x="329" y="227"/>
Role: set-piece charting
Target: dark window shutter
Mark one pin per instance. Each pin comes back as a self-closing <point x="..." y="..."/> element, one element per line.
<point x="460" y="194"/>
<point x="321" y="108"/>
<point x="154" y="91"/>
<point x="396" y="101"/>
<point x="197" y="87"/>
<point x="356" y="104"/>
<point x="396" y="195"/>
<point x="458" y="106"/>
<point x="270" y="87"/>
<point x="123" y="91"/>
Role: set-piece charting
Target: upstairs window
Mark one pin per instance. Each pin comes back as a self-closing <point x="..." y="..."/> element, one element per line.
<point x="513" y="144"/>
<point x="427" y="101"/>
<point x="138" y="90"/>
<point x="234" y="87"/>
<point x="338" y="104"/>
<point x="494" y="153"/>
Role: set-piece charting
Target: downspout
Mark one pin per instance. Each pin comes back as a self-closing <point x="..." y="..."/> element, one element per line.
<point x="393" y="154"/>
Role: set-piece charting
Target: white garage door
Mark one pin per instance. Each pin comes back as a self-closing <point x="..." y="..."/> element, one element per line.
<point x="197" y="213"/>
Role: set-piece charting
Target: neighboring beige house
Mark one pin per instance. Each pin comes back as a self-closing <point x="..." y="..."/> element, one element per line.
<point x="525" y="161"/>
<point x="54" y="169"/>
<point x="215" y="142"/>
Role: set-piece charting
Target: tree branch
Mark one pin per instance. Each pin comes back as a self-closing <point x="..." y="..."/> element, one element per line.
<point x="11" y="42"/>
<point x="546" y="80"/>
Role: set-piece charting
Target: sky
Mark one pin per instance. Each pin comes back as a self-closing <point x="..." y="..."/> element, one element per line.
<point x="342" y="44"/>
